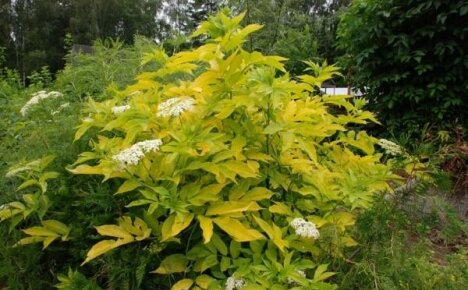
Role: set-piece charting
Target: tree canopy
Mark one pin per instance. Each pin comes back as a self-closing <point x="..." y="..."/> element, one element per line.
<point x="36" y="33"/>
<point x="410" y="58"/>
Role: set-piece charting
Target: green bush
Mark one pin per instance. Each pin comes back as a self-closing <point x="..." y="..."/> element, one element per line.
<point x="110" y="62"/>
<point x="409" y="57"/>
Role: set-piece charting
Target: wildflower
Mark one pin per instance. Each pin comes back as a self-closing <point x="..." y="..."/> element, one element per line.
<point x="120" y="109"/>
<point x="175" y="106"/>
<point x="390" y="147"/>
<point x="133" y="155"/>
<point x="36" y="98"/>
<point x="233" y="283"/>
<point x="305" y="228"/>
<point x="301" y="273"/>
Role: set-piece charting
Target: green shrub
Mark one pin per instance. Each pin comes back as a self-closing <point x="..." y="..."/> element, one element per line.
<point x="110" y="62"/>
<point x="409" y="57"/>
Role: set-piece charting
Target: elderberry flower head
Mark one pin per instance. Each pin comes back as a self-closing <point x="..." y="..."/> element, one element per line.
<point x="390" y="147"/>
<point x="233" y="283"/>
<point x="36" y="98"/>
<point x="133" y="155"/>
<point x="120" y="109"/>
<point x="175" y="106"/>
<point x="305" y="228"/>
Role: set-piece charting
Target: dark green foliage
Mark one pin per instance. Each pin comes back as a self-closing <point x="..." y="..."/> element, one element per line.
<point x="34" y="32"/>
<point x="410" y="57"/>
<point x="299" y="30"/>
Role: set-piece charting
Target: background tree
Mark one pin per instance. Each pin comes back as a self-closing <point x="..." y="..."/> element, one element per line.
<point x="297" y="29"/>
<point x="33" y="31"/>
<point x="410" y="59"/>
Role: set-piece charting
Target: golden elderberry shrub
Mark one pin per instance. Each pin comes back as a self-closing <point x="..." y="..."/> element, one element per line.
<point x="238" y="176"/>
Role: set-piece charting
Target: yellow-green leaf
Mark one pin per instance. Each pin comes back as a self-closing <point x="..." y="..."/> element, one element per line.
<point x="86" y="169"/>
<point x="99" y="249"/>
<point x="138" y="228"/>
<point x="280" y="208"/>
<point x="40" y="231"/>
<point x="183" y="284"/>
<point x="56" y="226"/>
<point x="30" y="240"/>
<point x="256" y="194"/>
<point x="205" y="263"/>
<point x="174" y="224"/>
<point x="175" y="263"/>
<point x="128" y="185"/>
<point x="207" y="193"/>
<point x="320" y="273"/>
<point x="240" y="168"/>
<point x="113" y="231"/>
<point x="237" y="230"/>
<point x="273" y="232"/>
<point x="231" y="207"/>
<point x="47" y="241"/>
<point x="206" y="225"/>
<point x="347" y="241"/>
<point x="204" y="281"/>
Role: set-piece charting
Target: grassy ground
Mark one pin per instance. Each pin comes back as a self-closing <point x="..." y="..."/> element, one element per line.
<point x="408" y="243"/>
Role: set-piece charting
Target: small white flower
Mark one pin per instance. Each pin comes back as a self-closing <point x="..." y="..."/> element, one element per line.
<point x="390" y="147"/>
<point x="120" y="109"/>
<point x="305" y="228"/>
<point x="64" y="105"/>
<point x="133" y="155"/>
<point x="233" y="283"/>
<point x="175" y="106"/>
<point x="54" y="94"/>
<point x="36" y="98"/>
<point x="149" y="145"/>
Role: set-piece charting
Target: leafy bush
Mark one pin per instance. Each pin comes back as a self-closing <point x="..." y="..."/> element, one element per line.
<point x="232" y="173"/>
<point x="226" y="172"/>
<point x="109" y="62"/>
<point x="409" y="57"/>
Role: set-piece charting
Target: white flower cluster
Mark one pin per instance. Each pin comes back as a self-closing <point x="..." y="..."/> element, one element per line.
<point x="175" y="106"/>
<point x="36" y="98"/>
<point x="133" y="155"/>
<point x="233" y="283"/>
<point x="301" y="273"/>
<point x="305" y="229"/>
<point x="60" y="108"/>
<point x="120" y="109"/>
<point x="390" y="147"/>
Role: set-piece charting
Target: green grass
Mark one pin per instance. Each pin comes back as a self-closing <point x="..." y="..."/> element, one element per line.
<point x="397" y="250"/>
